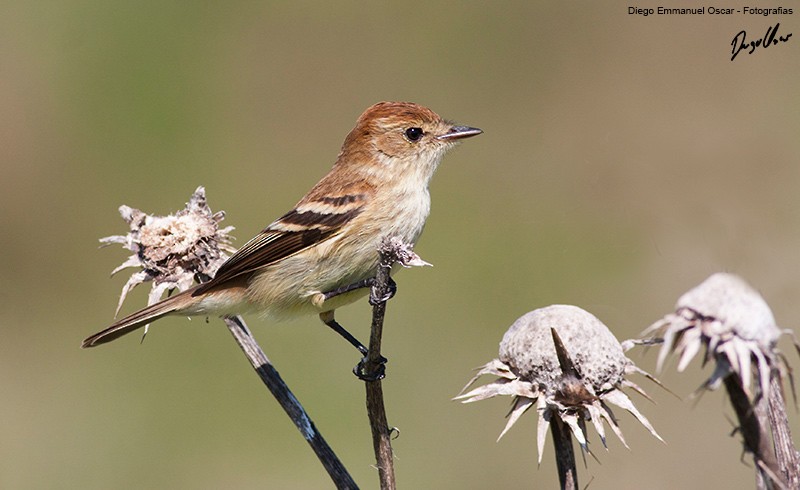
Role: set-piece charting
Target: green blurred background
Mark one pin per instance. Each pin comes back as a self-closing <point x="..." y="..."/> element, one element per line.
<point x="625" y="158"/>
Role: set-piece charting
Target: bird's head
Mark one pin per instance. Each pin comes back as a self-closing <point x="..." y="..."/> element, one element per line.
<point x="403" y="137"/>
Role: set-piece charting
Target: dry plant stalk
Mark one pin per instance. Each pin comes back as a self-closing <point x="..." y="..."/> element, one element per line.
<point x="391" y="251"/>
<point x="569" y="365"/>
<point x="731" y="322"/>
<point x="176" y="250"/>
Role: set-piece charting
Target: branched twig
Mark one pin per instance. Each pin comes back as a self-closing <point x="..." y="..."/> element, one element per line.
<point x="269" y="375"/>
<point x="381" y="432"/>
<point x="391" y="250"/>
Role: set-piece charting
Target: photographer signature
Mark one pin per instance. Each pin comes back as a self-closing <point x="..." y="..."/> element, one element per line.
<point x="771" y="38"/>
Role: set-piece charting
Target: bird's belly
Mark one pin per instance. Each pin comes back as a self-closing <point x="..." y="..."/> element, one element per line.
<point x="295" y="285"/>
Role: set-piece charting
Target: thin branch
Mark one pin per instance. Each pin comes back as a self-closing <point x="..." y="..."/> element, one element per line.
<point x="269" y="375"/>
<point x="785" y="452"/>
<point x="373" y="366"/>
<point x="760" y="409"/>
<point x="565" y="454"/>
<point x="756" y="440"/>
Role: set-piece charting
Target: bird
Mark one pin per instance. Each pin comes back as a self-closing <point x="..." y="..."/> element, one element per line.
<point x="322" y="254"/>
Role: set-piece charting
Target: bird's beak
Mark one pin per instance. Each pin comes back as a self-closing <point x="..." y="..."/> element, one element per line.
<point x="459" y="132"/>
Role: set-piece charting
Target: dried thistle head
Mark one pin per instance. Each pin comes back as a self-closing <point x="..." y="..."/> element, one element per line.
<point x="568" y="363"/>
<point x="732" y="322"/>
<point x="175" y="250"/>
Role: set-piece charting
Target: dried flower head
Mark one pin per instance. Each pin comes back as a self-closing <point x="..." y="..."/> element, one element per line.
<point x="172" y="251"/>
<point x="570" y="365"/>
<point x="732" y="322"/>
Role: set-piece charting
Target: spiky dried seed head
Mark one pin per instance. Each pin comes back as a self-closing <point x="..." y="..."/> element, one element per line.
<point x="736" y="308"/>
<point x="173" y="251"/>
<point x="569" y="364"/>
<point x="732" y="322"/>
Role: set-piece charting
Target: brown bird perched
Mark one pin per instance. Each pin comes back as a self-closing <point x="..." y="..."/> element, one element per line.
<point x="323" y="253"/>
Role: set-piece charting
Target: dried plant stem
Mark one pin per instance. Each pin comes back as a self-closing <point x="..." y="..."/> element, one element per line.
<point x="759" y="407"/>
<point x="565" y="455"/>
<point x="786" y="454"/>
<point x="756" y="438"/>
<point x="381" y="432"/>
<point x="269" y="375"/>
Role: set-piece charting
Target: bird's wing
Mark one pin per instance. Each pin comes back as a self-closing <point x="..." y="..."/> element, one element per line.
<point x="310" y="223"/>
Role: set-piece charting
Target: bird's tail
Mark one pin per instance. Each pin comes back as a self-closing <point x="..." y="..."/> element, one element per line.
<point x="141" y="318"/>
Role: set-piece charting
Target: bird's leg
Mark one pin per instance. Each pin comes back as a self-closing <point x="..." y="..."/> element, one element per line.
<point x="364" y="283"/>
<point x="328" y="319"/>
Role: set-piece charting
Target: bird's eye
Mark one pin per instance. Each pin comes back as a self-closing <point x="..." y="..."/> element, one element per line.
<point x="414" y="134"/>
